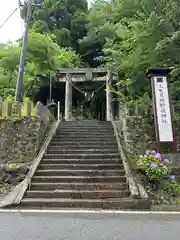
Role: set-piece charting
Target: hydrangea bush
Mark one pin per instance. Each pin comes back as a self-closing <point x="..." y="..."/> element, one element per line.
<point x="154" y="166"/>
<point x="160" y="184"/>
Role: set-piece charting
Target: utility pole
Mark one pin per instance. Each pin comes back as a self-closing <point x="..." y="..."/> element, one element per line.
<point x="19" y="86"/>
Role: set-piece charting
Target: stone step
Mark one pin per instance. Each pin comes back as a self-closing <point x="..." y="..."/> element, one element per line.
<point x="83" y="147"/>
<point x="81" y="151"/>
<point x="80" y="166"/>
<point x="78" y="194"/>
<point x="68" y="172"/>
<point x="79" y="186"/>
<point x="83" y="138"/>
<point x="71" y="179"/>
<point x="86" y="123"/>
<point x="99" y="156"/>
<point x="85" y="126"/>
<point x="123" y="203"/>
<point x="87" y="132"/>
<point x="81" y="161"/>
<point x="85" y="129"/>
<point x="83" y="142"/>
<point x="84" y="134"/>
<point x="90" y="138"/>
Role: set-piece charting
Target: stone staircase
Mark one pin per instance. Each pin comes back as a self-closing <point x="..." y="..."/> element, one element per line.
<point x="82" y="168"/>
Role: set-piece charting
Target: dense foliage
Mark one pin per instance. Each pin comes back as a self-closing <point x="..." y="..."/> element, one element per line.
<point x="133" y="35"/>
<point x="43" y="59"/>
<point x="125" y="35"/>
<point x="66" y="19"/>
<point x="153" y="166"/>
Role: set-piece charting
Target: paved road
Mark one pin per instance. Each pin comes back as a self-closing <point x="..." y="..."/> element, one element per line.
<point x="16" y="226"/>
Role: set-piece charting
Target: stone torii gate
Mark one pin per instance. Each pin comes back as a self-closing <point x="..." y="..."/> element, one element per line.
<point x="86" y="76"/>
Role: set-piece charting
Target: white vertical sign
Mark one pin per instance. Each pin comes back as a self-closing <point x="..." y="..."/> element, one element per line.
<point x="163" y="109"/>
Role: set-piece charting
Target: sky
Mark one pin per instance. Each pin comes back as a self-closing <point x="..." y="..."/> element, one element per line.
<point x="13" y="29"/>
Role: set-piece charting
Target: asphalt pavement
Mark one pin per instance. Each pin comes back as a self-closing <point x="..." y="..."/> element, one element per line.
<point x="60" y="226"/>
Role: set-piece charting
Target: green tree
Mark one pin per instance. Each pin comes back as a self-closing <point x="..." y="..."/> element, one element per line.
<point x="43" y="58"/>
<point x="144" y="33"/>
<point x="66" y="19"/>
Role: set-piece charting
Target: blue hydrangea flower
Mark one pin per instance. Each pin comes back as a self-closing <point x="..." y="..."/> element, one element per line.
<point x="165" y="161"/>
<point x="154" y="165"/>
<point x="27" y="117"/>
<point x="158" y="156"/>
<point x="173" y="178"/>
<point x="147" y="152"/>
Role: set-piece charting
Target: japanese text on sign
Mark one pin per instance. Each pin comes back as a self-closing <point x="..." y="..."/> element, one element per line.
<point x="163" y="109"/>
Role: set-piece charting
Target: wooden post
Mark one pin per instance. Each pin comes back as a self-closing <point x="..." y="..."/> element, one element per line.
<point x="68" y="99"/>
<point x="108" y="96"/>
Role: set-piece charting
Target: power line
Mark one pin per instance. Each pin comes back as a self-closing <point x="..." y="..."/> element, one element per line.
<point x="8" y="18"/>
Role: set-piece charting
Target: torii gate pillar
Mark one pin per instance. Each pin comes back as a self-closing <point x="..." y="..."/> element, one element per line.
<point x="108" y="96"/>
<point x="68" y="99"/>
<point x="70" y="76"/>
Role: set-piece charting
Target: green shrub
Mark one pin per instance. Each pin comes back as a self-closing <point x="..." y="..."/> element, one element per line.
<point x="153" y="166"/>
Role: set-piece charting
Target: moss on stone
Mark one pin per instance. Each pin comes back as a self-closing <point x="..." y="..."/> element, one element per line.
<point x="18" y="168"/>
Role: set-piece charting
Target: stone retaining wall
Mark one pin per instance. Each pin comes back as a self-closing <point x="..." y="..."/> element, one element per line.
<point x="136" y="132"/>
<point x="177" y="131"/>
<point x="21" y="139"/>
